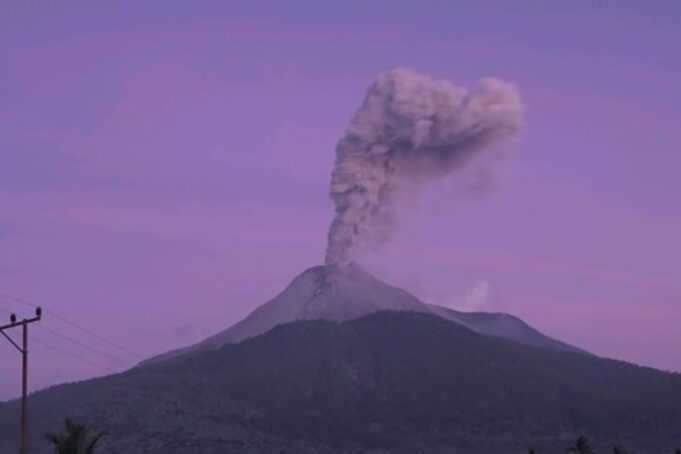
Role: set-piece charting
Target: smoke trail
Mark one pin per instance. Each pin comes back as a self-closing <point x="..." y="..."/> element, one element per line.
<point x="410" y="129"/>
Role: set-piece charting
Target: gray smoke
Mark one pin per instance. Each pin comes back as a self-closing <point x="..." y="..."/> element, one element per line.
<point x="410" y="129"/>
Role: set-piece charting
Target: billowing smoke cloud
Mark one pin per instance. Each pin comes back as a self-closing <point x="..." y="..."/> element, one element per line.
<point x="410" y="129"/>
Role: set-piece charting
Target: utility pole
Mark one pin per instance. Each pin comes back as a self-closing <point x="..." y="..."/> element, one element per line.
<point x="24" y="366"/>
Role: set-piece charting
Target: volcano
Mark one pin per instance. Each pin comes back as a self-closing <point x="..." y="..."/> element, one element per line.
<point x="349" y="292"/>
<point x="342" y="363"/>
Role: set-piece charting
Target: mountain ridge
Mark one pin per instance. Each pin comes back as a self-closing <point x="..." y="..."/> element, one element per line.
<point x="350" y="292"/>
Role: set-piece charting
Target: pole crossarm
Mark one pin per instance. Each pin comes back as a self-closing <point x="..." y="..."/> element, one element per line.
<point x="16" y="323"/>
<point x="21" y="322"/>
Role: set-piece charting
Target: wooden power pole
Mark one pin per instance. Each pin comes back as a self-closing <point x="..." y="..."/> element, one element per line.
<point x="24" y="368"/>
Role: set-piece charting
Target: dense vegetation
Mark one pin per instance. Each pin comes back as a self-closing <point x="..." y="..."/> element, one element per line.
<point x="385" y="383"/>
<point x="75" y="439"/>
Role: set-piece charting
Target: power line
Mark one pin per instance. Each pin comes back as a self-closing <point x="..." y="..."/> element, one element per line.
<point x="72" y="324"/>
<point x="23" y="349"/>
<point x="88" y="347"/>
<point x="73" y="355"/>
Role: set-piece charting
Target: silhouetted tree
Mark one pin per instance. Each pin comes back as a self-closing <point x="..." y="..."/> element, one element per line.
<point x="582" y="446"/>
<point x="75" y="440"/>
<point x="619" y="449"/>
<point x="677" y="451"/>
<point x="531" y="451"/>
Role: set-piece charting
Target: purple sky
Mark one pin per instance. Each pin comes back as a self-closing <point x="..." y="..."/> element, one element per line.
<point x="164" y="167"/>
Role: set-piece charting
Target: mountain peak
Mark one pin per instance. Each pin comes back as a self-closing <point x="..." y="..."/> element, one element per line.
<point x="325" y="277"/>
<point x="333" y="294"/>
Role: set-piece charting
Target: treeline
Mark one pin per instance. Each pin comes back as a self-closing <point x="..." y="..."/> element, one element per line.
<point x="76" y="439"/>
<point x="583" y="446"/>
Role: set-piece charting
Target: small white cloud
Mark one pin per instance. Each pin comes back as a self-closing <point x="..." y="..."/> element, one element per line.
<point x="476" y="299"/>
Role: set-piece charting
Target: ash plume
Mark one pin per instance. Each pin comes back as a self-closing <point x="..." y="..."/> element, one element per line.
<point x="410" y="129"/>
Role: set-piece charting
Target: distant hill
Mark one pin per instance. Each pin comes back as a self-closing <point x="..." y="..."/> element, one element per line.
<point x="503" y="325"/>
<point x="388" y="382"/>
<point x="351" y="292"/>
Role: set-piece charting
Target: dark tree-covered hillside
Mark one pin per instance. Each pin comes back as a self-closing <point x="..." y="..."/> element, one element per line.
<point x="391" y="382"/>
